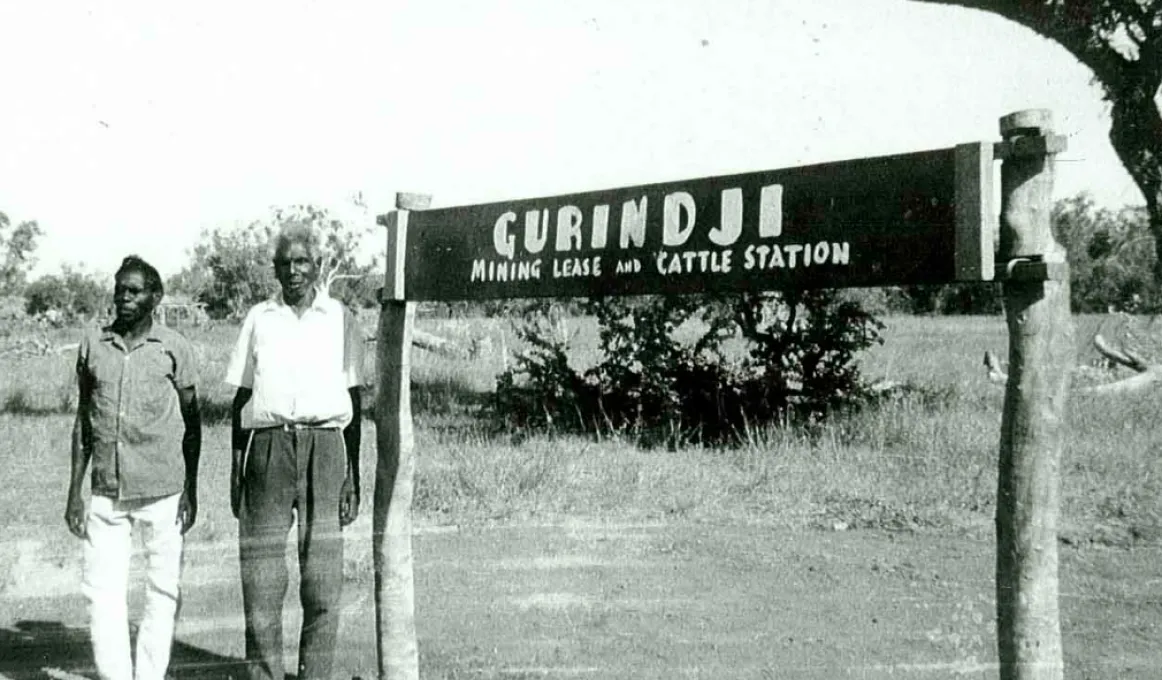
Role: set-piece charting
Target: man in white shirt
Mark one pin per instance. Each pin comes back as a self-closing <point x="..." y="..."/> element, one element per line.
<point x="296" y="437"/>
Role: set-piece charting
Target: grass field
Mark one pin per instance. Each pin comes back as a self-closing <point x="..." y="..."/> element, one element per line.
<point x="847" y="497"/>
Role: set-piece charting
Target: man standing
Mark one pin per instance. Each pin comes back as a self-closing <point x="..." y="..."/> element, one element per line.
<point x="138" y="423"/>
<point x="296" y="420"/>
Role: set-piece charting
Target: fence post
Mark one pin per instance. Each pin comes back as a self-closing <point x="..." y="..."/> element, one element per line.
<point x="1041" y="352"/>
<point x="396" y="648"/>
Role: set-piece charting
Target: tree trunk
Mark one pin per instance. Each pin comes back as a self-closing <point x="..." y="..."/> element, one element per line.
<point x="1136" y="135"/>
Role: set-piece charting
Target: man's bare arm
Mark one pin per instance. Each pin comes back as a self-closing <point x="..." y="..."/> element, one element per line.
<point x="82" y="453"/>
<point x="238" y="441"/>
<point x="352" y="439"/>
<point x="192" y="453"/>
<point x="352" y="434"/>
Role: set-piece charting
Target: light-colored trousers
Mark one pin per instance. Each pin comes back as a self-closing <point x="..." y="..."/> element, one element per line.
<point x="107" y="553"/>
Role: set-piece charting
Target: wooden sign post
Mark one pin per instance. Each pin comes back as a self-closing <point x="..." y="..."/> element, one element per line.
<point x="1036" y="296"/>
<point x="395" y="626"/>
<point x="923" y="217"/>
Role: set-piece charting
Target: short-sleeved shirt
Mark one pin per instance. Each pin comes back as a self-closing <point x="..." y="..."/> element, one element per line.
<point x="137" y="425"/>
<point x="298" y="368"/>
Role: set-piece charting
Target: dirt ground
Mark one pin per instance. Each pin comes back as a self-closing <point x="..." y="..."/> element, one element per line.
<point x="674" y="600"/>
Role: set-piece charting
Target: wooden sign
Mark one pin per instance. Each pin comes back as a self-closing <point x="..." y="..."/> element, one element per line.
<point x="921" y="217"/>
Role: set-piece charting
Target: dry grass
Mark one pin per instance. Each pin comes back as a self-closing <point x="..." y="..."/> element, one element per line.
<point x="924" y="459"/>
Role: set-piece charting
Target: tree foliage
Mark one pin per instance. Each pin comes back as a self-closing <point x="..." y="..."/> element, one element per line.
<point x="73" y="292"/>
<point x="230" y="270"/>
<point x="1120" y="41"/>
<point x="17" y="248"/>
<point x="1111" y="259"/>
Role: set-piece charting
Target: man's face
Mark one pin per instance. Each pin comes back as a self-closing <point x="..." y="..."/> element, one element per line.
<point x="295" y="270"/>
<point x="132" y="298"/>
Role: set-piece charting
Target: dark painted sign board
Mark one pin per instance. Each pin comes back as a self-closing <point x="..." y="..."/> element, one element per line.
<point x="922" y="217"/>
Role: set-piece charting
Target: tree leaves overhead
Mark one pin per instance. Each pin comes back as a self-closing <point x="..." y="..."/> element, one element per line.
<point x="1105" y="35"/>
<point x="1121" y="43"/>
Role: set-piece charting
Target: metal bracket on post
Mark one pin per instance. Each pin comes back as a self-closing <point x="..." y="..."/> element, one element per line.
<point x="1031" y="268"/>
<point x="1030" y="147"/>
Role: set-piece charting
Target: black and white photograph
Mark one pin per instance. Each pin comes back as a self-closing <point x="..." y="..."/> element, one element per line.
<point x="581" y="340"/>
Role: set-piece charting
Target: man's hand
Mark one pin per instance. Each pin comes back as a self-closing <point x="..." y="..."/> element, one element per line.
<point x="187" y="510"/>
<point x="348" y="502"/>
<point x="236" y="484"/>
<point x="75" y="515"/>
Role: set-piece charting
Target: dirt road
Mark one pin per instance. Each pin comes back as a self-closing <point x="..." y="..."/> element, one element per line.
<point x="650" y="601"/>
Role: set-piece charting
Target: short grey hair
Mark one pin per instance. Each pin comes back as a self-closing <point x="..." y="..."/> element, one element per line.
<point x="298" y="232"/>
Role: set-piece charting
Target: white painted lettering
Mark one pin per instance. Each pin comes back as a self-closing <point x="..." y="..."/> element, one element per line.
<point x="771" y="211"/>
<point x="749" y="259"/>
<point x="792" y="252"/>
<point x="568" y="228"/>
<point x="841" y="253"/>
<point x="776" y="258"/>
<point x="689" y="255"/>
<point x="675" y="229"/>
<point x="504" y="271"/>
<point x="730" y="224"/>
<point x="600" y="226"/>
<point x="633" y="223"/>
<point x="694" y="262"/>
<point x="536" y="230"/>
<point x="502" y="239"/>
<point x="630" y="266"/>
<point x="570" y="267"/>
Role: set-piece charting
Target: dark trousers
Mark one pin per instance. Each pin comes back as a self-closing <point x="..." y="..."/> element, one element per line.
<point x="303" y="471"/>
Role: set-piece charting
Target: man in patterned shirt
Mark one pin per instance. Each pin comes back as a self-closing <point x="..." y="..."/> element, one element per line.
<point x="138" y="424"/>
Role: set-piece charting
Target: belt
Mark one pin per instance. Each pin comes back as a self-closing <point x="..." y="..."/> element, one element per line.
<point x="294" y="427"/>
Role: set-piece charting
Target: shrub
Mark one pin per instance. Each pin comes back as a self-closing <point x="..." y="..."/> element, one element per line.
<point x="796" y="363"/>
<point x="11" y="309"/>
<point x="73" y="293"/>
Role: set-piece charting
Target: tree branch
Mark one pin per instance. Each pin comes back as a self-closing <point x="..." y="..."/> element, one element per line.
<point x="1145" y="374"/>
<point x="1065" y="23"/>
<point x="1150" y="55"/>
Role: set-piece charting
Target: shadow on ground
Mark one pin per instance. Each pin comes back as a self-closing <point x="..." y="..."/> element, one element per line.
<point x="44" y="650"/>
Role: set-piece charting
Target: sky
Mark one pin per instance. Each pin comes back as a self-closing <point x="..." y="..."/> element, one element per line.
<point x="133" y="126"/>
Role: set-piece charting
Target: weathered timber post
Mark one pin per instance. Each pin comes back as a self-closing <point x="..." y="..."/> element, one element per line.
<point x="1036" y="296"/>
<point x="395" y="627"/>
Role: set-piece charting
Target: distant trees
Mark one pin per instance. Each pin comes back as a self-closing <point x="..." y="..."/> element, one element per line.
<point x="1111" y="263"/>
<point x="17" y="246"/>
<point x="1111" y="257"/>
<point x="73" y="293"/>
<point x="230" y="269"/>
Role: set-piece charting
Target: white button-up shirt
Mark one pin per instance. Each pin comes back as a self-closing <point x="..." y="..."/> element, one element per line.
<point x="299" y="368"/>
